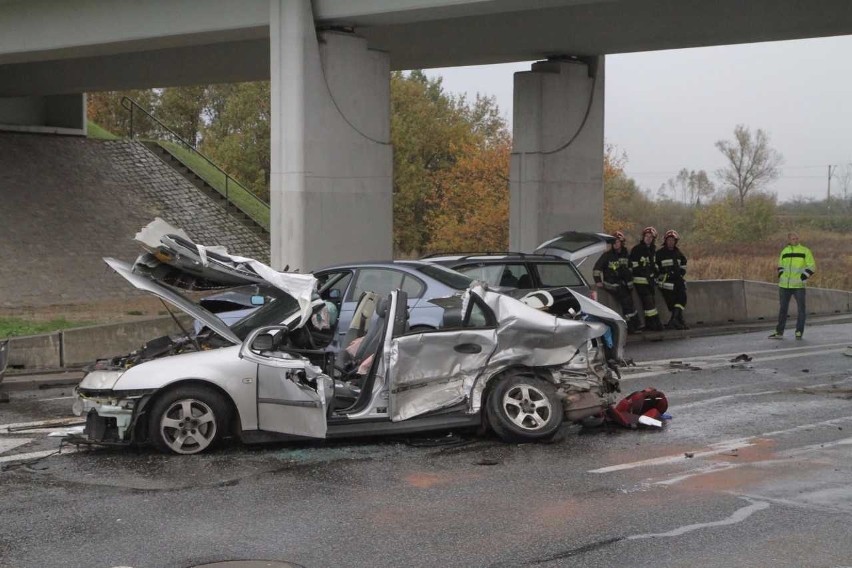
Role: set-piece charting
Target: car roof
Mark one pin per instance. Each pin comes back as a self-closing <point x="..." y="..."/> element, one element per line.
<point x="491" y="256"/>
<point x="374" y="263"/>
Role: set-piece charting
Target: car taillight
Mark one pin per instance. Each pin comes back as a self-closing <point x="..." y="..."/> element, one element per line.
<point x="594" y="295"/>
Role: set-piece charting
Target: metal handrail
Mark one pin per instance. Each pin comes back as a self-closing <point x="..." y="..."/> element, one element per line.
<point x="129" y="104"/>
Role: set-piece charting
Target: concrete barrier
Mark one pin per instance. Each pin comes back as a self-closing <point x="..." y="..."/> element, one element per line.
<point x="713" y="302"/>
<point x="79" y="346"/>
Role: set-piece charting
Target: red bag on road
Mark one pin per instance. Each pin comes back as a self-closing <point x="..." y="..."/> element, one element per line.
<point x="648" y="402"/>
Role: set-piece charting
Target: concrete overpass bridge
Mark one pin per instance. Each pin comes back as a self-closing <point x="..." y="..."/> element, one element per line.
<point x="328" y="62"/>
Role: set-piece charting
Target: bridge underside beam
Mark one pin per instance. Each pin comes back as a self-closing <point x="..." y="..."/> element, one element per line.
<point x="331" y="179"/>
<point x="556" y="175"/>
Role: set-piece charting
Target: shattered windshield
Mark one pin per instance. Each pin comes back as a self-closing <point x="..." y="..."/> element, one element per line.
<point x="281" y="307"/>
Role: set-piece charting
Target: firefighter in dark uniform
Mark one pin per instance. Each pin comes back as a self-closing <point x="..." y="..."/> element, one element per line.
<point x="671" y="268"/>
<point x="644" y="268"/>
<point x="612" y="273"/>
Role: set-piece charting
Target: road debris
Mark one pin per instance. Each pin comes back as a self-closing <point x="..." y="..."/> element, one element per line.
<point x="685" y="366"/>
<point x="744" y="357"/>
<point x="689" y="454"/>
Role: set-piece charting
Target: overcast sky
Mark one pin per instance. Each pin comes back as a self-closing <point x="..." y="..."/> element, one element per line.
<point x="666" y="109"/>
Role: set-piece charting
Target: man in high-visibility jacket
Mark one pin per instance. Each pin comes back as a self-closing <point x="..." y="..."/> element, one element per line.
<point x="795" y="265"/>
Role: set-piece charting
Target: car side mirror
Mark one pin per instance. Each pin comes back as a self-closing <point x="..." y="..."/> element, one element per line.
<point x="257" y="300"/>
<point x="263" y="342"/>
<point x="334" y="294"/>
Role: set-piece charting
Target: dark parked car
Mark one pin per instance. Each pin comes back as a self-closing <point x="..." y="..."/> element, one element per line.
<point x="517" y="271"/>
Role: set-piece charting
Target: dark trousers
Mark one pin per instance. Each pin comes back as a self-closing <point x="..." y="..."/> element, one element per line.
<point x="675" y="298"/>
<point x="785" y="294"/>
<point x="624" y="296"/>
<point x="646" y="296"/>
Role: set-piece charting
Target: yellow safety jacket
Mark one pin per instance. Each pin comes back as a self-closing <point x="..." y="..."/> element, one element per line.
<point x="795" y="265"/>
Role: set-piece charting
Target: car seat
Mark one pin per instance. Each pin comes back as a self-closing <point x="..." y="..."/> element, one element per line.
<point x="508" y="279"/>
<point x="525" y="282"/>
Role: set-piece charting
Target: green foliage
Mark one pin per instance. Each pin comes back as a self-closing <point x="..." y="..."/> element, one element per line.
<point x="726" y="221"/>
<point x="238" y="135"/>
<point x="15" y="327"/>
<point x="98" y="133"/>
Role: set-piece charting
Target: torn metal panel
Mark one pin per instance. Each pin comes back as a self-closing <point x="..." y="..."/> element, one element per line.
<point x="172" y="255"/>
<point x="437" y="369"/>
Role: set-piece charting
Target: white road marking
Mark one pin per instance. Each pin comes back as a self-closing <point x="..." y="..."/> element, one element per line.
<point x="719" y="447"/>
<point x="737" y="517"/>
<point x="52" y="423"/>
<point x="12" y="443"/>
<point x="56" y="398"/>
<point x="36" y="455"/>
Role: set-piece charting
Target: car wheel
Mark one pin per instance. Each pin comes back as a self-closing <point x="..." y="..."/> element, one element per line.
<point x="187" y="420"/>
<point x="523" y="408"/>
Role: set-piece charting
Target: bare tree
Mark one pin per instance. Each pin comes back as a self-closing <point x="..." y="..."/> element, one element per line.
<point x="751" y="162"/>
<point x="691" y="186"/>
<point x="844" y="176"/>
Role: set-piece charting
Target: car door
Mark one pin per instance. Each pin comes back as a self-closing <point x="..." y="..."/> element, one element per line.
<point x="291" y="393"/>
<point x="436" y="369"/>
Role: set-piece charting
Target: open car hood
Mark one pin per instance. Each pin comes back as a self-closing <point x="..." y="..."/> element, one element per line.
<point x="174" y="259"/>
<point x="184" y="304"/>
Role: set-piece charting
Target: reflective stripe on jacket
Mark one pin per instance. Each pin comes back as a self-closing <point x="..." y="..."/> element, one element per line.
<point x="642" y="264"/>
<point x="671" y="267"/>
<point x="795" y="265"/>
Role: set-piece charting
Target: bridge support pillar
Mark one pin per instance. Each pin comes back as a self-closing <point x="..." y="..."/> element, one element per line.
<point x="556" y="172"/>
<point x="331" y="175"/>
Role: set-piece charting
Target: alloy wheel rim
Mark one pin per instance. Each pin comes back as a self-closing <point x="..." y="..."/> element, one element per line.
<point x="527" y="407"/>
<point x="188" y="426"/>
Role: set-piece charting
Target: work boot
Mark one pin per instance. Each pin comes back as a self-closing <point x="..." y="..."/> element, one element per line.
<point x="633" y="324"/>
<point x="798" y="335"/>
<point x="653" y="323"/>
<point x="776" y="335"/>
<point x="679" y="318"/>
<point x="672" y="323"/>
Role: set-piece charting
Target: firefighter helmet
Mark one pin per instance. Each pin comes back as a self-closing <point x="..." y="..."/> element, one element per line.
<point x="651" y="230"/>
<point x="672" y="233"/>
<point x="619" y="236"/>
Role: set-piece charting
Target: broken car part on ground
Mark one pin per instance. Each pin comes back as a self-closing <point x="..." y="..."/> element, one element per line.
<point x="494" y="361"/>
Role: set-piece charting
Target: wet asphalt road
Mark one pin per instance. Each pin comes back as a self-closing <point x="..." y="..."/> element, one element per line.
<point x="768" y="483"/>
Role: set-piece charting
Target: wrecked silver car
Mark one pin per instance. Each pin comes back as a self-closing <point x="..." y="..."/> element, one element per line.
<point x="495" y="361"/>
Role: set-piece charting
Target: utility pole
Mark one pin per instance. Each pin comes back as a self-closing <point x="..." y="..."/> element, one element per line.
<point x="828" y="194"/>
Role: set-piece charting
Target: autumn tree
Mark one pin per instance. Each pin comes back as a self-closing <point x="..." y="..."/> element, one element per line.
<point x="751" y="162"/>
<point x="237" y="133"/>
<point x="182" y="110"/>
<point x="104" y="108"/>
<point x="431" y="131"/>
<point x="470" y="207"/>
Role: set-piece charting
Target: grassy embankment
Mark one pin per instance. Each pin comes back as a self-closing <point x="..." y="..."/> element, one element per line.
<point x="15" y="327"/>
<point x="758" y="260"/>
<point x="237" y="194"/>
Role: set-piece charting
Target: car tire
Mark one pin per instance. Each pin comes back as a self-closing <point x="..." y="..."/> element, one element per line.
<point x="188" y="420"/>
<point x="523" y="408"/>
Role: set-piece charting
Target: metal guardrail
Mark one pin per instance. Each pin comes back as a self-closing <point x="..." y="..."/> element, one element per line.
<point x="130" y="105"/>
